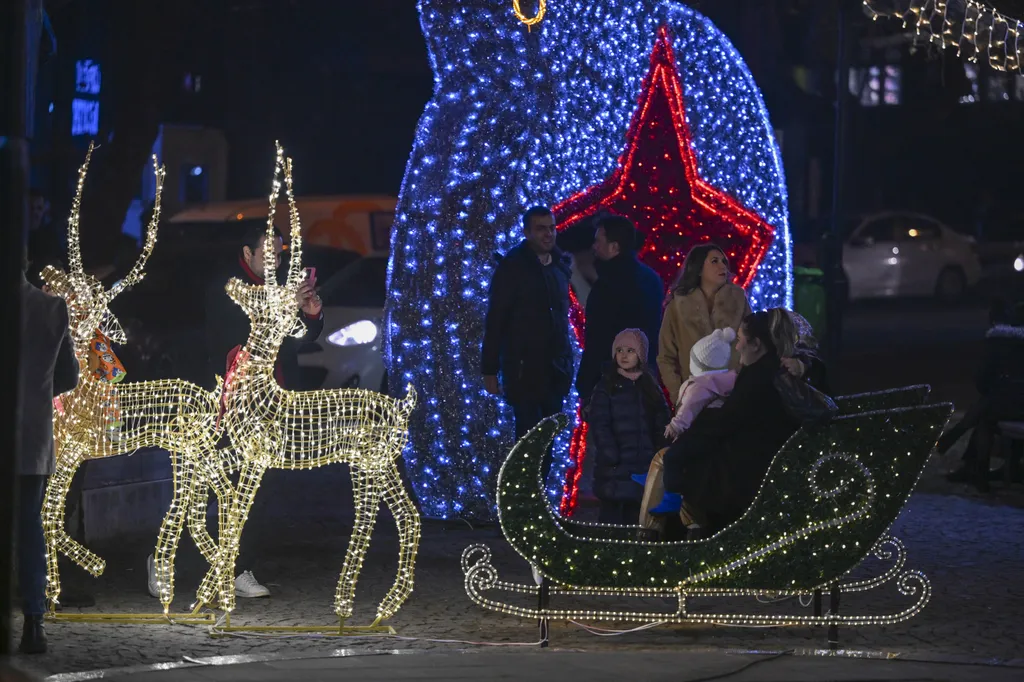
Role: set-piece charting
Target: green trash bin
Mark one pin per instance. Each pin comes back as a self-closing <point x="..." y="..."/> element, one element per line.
<point x="809" y="298"/>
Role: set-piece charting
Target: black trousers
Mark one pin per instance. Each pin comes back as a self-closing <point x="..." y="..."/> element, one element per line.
<point x="529" y="413"/>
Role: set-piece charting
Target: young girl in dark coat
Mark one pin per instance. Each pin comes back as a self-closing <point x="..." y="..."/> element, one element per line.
<point x="627" y="417"/>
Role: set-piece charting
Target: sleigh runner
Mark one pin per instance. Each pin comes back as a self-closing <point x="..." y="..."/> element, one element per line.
<point x="825" y="506"/>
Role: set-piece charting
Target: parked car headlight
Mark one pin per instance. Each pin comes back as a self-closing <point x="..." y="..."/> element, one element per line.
<point x="356" y="334"/>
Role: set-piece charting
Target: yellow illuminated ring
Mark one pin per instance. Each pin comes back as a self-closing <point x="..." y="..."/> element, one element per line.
<point x="542" y="7"/>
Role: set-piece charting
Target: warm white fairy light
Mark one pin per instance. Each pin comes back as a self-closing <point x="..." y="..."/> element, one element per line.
<point x="173" y="415"/>
<point x="271" y="427"/>
<point x="973" y="28"/>
<point x="855" y="486"/>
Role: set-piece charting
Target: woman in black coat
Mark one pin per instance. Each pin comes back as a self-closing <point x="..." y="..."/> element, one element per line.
<point x="627" y="417"/>
<point x="719" y="462"/>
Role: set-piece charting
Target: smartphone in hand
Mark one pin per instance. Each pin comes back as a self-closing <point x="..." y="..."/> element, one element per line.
<point x="311" y="276"/>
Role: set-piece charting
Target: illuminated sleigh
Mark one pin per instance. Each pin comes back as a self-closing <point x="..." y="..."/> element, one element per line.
<point x="825" y="506"/>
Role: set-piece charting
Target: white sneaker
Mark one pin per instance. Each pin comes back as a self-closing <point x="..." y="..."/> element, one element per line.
<point x="151" y="575"/>
<point x="247" y="586"/>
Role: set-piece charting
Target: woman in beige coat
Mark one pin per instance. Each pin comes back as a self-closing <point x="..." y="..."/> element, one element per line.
<point x="702" y="300"/>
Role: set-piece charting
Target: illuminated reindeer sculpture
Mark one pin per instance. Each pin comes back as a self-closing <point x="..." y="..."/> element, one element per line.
<point x="270" y="427"/>
<point x="172" y="414"/>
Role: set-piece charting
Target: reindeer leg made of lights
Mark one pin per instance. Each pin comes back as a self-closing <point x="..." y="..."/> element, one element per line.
<point x="366" y="496"/>
<point x="213" y="477"/>
<point x="218" y="586"/>
<point x="403" y="510"/>
<point x="183" y="473"/>
<point x="58" y="542"/>
<point x="210" y="476"/>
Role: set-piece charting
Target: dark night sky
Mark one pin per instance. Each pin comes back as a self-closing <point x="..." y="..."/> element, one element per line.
<point x="342" y="84"/>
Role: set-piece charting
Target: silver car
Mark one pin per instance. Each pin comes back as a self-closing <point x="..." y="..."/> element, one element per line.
<point x="908" y="254"/>
<point x="348" y="353"/>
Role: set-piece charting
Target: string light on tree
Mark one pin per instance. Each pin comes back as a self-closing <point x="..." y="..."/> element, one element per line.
<point x="521" y="118"/>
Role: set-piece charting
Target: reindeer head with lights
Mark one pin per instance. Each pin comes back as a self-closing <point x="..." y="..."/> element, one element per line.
<point x="87" y="300"/>
<point x="272" y="307"/>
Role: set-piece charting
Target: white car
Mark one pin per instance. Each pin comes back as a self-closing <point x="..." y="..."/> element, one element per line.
<point x="908" y="254"/>
<point x="348" y="352"/>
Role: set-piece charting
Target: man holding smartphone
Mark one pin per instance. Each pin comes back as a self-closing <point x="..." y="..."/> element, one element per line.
<point x="227" y="326"/>
<point x="227" y="330"/>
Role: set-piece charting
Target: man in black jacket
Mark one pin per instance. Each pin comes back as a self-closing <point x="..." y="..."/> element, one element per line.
<point x="227" y="327"/>
<point x="627" y="294"/>
<point x="47" y="367"/>
<point x="526" y="335"/>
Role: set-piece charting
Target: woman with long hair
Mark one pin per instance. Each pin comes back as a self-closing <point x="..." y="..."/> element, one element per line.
<point x="702" y="299"/>
<point x="718" y="463"/>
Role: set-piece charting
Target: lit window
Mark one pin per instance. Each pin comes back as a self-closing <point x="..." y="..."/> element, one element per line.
<point x="875" y="85"/>
<point x="893" y="85"/>
<point x="85" y="117"/>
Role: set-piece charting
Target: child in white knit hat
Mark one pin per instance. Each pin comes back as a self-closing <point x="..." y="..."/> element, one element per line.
<point x="710" y="380"/>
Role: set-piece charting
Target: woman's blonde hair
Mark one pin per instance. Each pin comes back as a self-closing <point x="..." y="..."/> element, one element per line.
<point x="775" y="330"/>
<point x="783" y="332"/>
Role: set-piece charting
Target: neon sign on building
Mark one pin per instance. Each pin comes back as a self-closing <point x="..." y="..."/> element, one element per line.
<point x="85" y="107"/>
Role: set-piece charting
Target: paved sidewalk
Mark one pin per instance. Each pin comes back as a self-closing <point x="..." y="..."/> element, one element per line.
<point x="973" y="552"/>
<point x="392" y="666"/>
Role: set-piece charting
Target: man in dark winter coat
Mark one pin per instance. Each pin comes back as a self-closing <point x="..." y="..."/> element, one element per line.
<point x="627" y="294"/>
<point x="47" y="368"/>
<point x="526" y="335"/>
<point x="227" y="328"/>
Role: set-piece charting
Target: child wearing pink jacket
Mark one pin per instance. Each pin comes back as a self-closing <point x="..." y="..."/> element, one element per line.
<point x="710" y="380"/>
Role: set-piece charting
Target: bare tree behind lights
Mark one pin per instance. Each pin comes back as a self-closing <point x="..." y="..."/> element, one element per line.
<point x="270" y="427"/>
<point x="174" y="415"/>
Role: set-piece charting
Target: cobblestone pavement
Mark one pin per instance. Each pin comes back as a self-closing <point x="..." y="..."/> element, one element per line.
<point x="972" y="550"/>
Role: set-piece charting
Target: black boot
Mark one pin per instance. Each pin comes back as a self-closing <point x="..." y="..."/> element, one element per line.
<point x="33" y="637"/>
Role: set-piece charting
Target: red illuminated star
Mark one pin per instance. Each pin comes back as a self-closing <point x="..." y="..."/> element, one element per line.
<point x="657" y="185"/>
